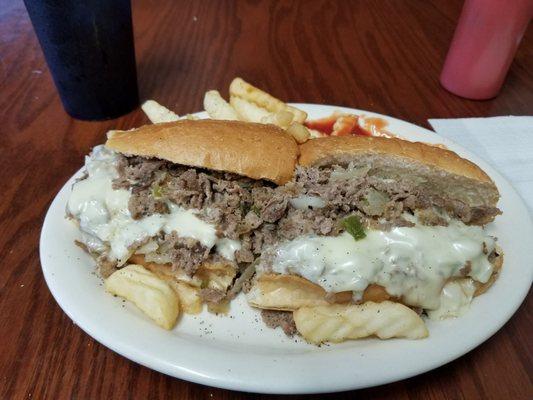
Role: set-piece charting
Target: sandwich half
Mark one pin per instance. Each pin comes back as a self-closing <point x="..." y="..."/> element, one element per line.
<point x="377" y="225"/>
<point x="177" y="198"/>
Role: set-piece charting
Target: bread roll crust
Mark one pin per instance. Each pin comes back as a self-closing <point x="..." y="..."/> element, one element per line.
<point x="320" y="151"/>
<point x="257" y="151"/>
<point x="290" y="292"/>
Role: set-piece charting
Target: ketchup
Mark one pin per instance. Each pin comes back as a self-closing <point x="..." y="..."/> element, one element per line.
<point x="338" y="125"/>
<point x="357" y="130"/>
<point x="324" y="125"/>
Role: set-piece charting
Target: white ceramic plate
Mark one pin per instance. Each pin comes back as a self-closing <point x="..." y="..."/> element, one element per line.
<point x="238" y="352"/>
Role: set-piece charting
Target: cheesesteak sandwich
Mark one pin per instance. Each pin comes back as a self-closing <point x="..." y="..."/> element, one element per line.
<point x="357" y="237"/>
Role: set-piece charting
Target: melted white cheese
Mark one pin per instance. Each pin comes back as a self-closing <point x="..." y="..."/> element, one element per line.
<point x="104" y="216"/>
<point x="411" y="262"/>
<point x="455" y="299"/>
<point x="227" y="248"/>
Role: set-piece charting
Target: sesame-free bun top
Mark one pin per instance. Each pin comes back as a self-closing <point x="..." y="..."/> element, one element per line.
<point x="438" y="170"/>
<point x="257" y="151"/>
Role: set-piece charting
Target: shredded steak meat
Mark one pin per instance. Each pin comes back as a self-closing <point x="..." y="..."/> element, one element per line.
<point x="136" y="172"/>
<point x="283" y="319"/>
<point x="357" y="192"/>
<point x="185" y="253"/>
<point x="259" y="214"/>
<point x="144" y="203"/>
<point x="214" y="296"/>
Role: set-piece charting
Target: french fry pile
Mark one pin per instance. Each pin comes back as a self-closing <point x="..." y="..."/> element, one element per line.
<point x="246" y="103"/>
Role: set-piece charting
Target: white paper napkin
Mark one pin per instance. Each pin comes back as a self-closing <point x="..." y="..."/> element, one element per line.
<point x="504" y="142"/>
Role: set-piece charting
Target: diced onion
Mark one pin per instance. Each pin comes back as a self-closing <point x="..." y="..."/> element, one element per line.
<point x="303" y="202"/>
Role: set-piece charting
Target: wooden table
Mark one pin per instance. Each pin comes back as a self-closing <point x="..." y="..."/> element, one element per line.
<point x="383" y="56"/>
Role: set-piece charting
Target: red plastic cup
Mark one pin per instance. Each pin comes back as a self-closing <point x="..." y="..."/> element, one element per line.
<point x="483" y="46"/>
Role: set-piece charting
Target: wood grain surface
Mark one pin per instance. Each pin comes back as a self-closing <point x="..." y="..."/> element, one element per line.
<point x="383" y="56"/>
